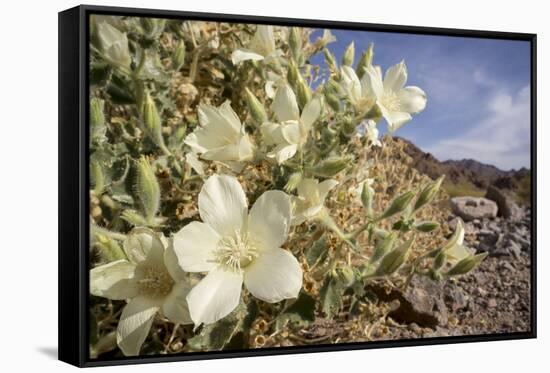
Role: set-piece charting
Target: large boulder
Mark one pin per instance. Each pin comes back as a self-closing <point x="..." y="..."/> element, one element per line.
<point x="507" y="207"/>
<point x="470" y="208"/>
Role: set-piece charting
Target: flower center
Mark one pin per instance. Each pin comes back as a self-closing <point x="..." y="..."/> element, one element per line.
<point x="235" y="251"/>
<point x="155" y="283"/>
<point x="390" y="100"/>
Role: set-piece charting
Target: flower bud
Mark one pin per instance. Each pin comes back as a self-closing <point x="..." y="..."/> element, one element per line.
<point x="427" y="226"/>
<point x="178" y="58"/>
<point x="346" y="275"/>
<point x="367" y="195"/>
<point x="133" y="218"/>
<point x="152" y="26"/>
<point x="293" y="74"/>
<point x="303" y="93"/>
<point x="293" y="181"/>
<point x="108" y="249"/>
<point x="332" y="86"/>
<point x="349" y="55"/>
<point x="295" y="42"/>
<point x="257" y="110"/>
<point x="330" y="60"/>
<point x="97" y="120"/>
<point x="148" y="189"/>
<point x="327" y="136"/>
<point x="466" y="265"/>
<point x="349" y="128"/>
<point x="364" y="62"/>
<point x="331" y="166"/>
<point x="151" y="119"/>
<point x="113" y="45"/>
<point x="383" y="246"/>
<point x="333" y="101"/>
<point x="398" y="205"/>
<point x="428" y="193"/>
<point x="439" y="261"/>
<point x="395" y="259"/>
<point x="98" y="179"/>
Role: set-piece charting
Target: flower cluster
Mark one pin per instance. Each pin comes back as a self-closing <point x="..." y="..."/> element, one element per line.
<point x="192" y="120"/>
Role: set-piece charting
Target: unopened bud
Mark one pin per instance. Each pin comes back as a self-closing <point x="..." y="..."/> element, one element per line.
<point x="333" y="101"/>
<point x="428" y="193"/>
<point x="466" y="265"/>
<point x="439" y="261"/>
<point x="257" y="110"/>
<point x="152" y="26"/>
<point x="293" y="181"/>
<point x="330" y="60"/>
<point x="327" y="136"/>
<point x="395" y="259"/>
<point x="293" y="74"/>
<point x="347" y="276"/>
<point x="114" y="45"/>
<point x="427" y="226"/>
<point x="364" y="62"/>
<point x="331" y="166"/>
<point x="133" y="218"/>
<point x="178" y="58"/>
<point x="97" y="120"/>
<point x="383" y="246"/>
<point x="303" y="93"/>
<point x="151" y="119"/>
<point x="398" y="205"/>
<point x="148" y="189"/>
<point x="349" y="128"/>
<point x="295" y="42"/>
<point x="367" y="195"/>
<point x="349" y="55"/>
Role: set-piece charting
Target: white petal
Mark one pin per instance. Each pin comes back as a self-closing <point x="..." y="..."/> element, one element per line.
<point x="216" y="128"/>
<point x="311" y="113"/>
<point x="351" y="83"/>
<point x="395" y="119"/>
<point x="272" y="133"/>
<point x="215" y="296"/>
<point x="114" y="280"/>
<point x="192" y="160"/>
<point x="175" y="304"/>
<point x="291" y="132"/>
<point x="241" y="54"/>
<point x="273" y="276"/>
<point x="308" y="188"/>
<point x="224" y="153"/>
<point x="412" y="100"/>
<point x="227" y="113"/>
<point x="283" y="152"/>
<point x="269" y="219"/>
<point x="135" y="323"/>
<point x="245" y="148"/>
<point x="396" y="77"/>
<point x="143" y="244"/>
<point x="458" y="252"/>
<point x="263" y="40"/>
<point x="172" y="265"/>
<point x="371" y="82"/>
<point x="270" y="89"/>
<point x="285" y="105"/>
<point x="223" y="204"/>
<point x="194" y="245"/>
<point x="325" y="187"/>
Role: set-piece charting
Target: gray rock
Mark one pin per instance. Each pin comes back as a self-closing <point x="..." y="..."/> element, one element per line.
<point x="421" y="303"/>
<point x="507" y="207"/>
<point x="470" y="208"/>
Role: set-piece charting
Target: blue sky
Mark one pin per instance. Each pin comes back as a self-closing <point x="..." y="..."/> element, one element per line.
<point x="478" y="92"/>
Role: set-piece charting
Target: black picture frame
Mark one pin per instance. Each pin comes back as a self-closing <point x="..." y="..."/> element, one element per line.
<point x="74" y="180"/>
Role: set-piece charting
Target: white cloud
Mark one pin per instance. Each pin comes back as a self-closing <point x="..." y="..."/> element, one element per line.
<point x="502" y="138"/>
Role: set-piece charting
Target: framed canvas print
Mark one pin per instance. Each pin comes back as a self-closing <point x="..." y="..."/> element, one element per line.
<point x="240" y="186"/>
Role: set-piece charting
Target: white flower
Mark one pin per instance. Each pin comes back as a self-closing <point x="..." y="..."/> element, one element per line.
<point x="235" y="246"/>
<point x="221" y="136"/>
<point x="326" y="39"/>
<point x="262" y="46"/>
<point x="454" y="249"/>
<point x="395" y="101"/>
<point x="113" y="44"/>
<point x="291" y="133"/>
<point x="371" y="132"/>
<point x="357" y="91"/>
<point x="150" y="280"/>
<point x="310" y="200"/>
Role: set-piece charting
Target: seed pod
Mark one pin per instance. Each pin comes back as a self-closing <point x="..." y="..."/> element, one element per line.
<point x="426" y="226"/>
<point x="466" y="265"/>
<point x="349" y="55"/>
<point x="395" y="259"/>
<point x="148" y="189"/>
<point x="398" y="205"/>
<point x="383" y="246"/>
<point x="178" y="58"/>
<point x="428" y="193"/>
<point x="257" y="110"/>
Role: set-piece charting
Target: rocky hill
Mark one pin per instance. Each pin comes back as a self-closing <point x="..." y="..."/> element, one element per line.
<point x="466" y="176"/>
